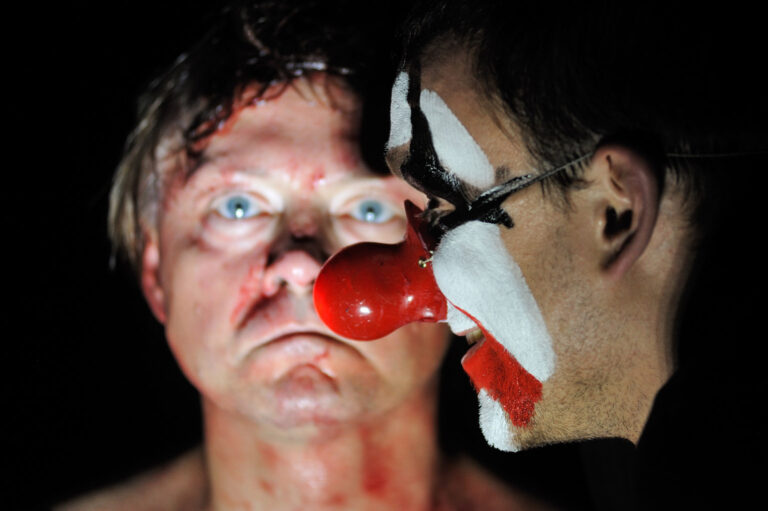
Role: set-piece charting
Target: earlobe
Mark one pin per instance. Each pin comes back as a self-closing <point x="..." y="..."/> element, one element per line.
<point x="150" y="281"/>
<point x="629" y="206"/>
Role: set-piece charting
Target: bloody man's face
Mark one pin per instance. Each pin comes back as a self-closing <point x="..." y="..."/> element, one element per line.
<point x="231" y="267"/>
<point x="502" y="265"/>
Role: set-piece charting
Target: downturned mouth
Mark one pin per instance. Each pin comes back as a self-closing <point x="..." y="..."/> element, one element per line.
<point x="288" y="336"/>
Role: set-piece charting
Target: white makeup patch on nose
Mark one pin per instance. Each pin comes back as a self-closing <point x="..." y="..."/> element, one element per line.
<point x="399" y="113"/>
<point x="494" y="424"/>
<point x="476" y="273"/>
<point x="455" y="147"/>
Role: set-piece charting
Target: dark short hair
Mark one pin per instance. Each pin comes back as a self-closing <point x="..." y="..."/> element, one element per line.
<point x="676" y="85"/>
<point x="263" y="43"/>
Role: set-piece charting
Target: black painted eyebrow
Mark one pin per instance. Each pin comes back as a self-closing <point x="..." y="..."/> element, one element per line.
<point x="487" y="207"/>
<point x="423" y="171"/>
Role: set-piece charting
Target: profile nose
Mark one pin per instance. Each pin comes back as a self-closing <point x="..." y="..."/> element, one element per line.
<point x="368" y="290"/>
<point x="296" y="269"/>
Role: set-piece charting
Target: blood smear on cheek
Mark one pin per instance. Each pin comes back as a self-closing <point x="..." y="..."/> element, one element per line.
<point x="492" y="368"/>
<point x="250" y="289"/>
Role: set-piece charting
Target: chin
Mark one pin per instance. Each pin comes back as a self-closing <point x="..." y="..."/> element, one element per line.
<point x="495" y="424"/>
<point x="304" y="400"/>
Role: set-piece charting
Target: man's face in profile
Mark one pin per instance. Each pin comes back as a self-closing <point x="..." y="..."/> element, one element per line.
<point x="239" y="244"/>
<point x="514" y="291"/>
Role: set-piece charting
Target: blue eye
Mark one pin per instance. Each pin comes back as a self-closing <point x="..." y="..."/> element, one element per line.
<point x="237" y="207"/>
<point x="372" y="211"/>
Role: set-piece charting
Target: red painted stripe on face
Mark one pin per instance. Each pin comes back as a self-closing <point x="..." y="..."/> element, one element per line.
<point x="491" y="367"/>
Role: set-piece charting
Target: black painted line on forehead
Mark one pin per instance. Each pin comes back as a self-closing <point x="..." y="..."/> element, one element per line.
<point x="423" y="171"/>
<point x="422" y="167"/>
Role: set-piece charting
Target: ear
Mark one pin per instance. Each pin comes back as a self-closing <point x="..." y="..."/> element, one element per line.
<point x="627" y="208"/>
<point x="150" y="281"/>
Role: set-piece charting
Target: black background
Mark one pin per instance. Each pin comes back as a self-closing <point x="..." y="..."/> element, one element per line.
<point x="94" y="393"/>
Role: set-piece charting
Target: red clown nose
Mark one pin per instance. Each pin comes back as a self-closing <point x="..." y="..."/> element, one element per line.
<point x="368" y="290"/>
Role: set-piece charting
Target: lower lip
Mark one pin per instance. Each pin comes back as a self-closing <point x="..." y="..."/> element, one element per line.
<point x="472" y="349"/>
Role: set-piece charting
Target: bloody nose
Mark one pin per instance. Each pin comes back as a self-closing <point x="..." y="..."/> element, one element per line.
<point x="368" y="290"/>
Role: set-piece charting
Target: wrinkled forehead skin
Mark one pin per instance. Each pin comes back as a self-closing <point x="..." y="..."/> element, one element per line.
<point x="483" y="284"/>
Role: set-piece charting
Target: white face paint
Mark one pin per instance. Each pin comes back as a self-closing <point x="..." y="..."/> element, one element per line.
<point x="399" y="113"/>
<point x="458" y="321"/>
<point x="457" y="150"/>
<point x="494" y="423"/>
<point x="477" y="275"/>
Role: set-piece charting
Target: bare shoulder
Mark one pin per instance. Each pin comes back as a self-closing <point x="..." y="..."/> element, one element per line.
<point x="467" y="487"/>
<point x="180" y="484"/>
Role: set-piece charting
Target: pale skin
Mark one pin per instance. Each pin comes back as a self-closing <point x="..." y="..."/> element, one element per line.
<point x="295" y="417"/>
<point x="608" y="295"/>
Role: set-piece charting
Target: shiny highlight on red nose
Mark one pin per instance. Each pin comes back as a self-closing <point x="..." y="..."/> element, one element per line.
<point x="368" y="290"/>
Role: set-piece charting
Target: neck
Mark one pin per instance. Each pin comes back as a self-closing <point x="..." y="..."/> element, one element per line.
<point x="650" y="304"/>
<point x="385" y="462"/>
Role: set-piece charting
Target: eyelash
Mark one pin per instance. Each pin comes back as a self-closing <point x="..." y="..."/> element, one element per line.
<point x="387" y="210"/>
<point x="237" y="206"/>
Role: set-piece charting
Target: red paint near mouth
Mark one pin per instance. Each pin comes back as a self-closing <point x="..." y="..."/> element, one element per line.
<point x="491" y="367"/>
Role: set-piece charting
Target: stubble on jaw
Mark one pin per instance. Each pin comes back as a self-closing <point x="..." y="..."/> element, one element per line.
<point x="581" y="399"/>
<point x="586" y="395"/>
